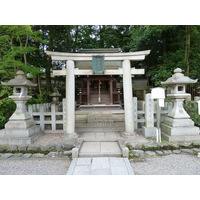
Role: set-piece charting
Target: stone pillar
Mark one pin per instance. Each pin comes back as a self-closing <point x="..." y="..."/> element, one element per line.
<point x="70" y="100"/>
<point x="149" y="130"/>
<point x="128" y="98"/>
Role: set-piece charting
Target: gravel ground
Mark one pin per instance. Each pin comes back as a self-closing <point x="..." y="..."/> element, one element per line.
<point x="167" y="165"/>
<point x="34" y="166"/>
<point x="155" y="165"/>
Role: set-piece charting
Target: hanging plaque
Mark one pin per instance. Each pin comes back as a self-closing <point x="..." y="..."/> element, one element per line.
<point x="98" y="64"/>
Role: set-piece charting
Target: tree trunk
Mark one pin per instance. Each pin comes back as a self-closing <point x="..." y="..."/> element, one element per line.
<point x="187" y="48"/>
<point x="48" y="74"/>
<point x="39" y="83"/>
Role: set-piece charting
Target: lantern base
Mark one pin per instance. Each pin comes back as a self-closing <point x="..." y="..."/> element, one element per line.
<point x="180" y="133"/>
<point x="19" y="137"/>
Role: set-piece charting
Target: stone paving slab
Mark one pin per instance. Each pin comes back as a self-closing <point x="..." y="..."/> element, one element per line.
<point x="93" y="149"/>
<point x="100" y="166"/>
<point x="100" y="136"/>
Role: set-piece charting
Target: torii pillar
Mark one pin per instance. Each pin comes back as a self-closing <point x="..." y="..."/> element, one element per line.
<point x="70" y="101"/>
<point x="128" y="99"/>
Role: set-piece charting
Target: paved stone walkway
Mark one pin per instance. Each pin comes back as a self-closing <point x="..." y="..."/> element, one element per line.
<point x="100" y="136"/>
<point x="100" y="166"/>
<point x="100" y="154"/>
<point x="91" y="149"/>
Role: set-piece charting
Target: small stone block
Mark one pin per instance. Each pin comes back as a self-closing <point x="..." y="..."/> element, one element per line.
<point x="138" y="153"/>
<point x="17" y="154"/>
<point x="196" y="150"/>
<point x="187" y="151"/>
<point x="150" y="153"/>
<point x="125" y="152"/>
<point x="198" y="155"/>
<point x="67" y="153"/>
<point x="75" y="152"/>
<point x="68" y="146"/>
<point x="167" y="152"/>
<point x="176" y="151"/>
<point x="59" y="147"/>
<point x="160" y="153"/>
<point x="52" y="154"/>
<point x="38" y="155"/>
<point x="6" y="155"/>
<point x="27" y="155"/>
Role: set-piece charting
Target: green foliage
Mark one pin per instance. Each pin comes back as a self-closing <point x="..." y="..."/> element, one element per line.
<point x="5" y="91"/>
<point x="16" y="44"/>
<point x="167" y="45"/>
<point x="44" y="97"/>
<point x="192" y="109"/>
<point x="7" y="108"/>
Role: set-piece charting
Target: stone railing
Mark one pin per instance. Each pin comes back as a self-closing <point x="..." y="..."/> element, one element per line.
<point x="52" y="117"/>
<point x="140" y="112"/>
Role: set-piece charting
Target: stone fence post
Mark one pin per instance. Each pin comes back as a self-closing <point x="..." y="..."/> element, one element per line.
<point x="149" y="130"/>
<point x="135" y="112"/>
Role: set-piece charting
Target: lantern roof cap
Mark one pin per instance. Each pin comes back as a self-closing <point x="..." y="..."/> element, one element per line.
<point x="55" y="93"/>
<point x="178" y="78"/>
<point x="19" y="80"/>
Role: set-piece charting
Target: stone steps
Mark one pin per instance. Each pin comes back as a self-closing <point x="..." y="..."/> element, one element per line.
<point x="100" y="149"/>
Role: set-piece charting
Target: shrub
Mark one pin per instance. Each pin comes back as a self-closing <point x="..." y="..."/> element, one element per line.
<point x="44" y="97"/>
<point x="7" y="108"/>
<point x="191" y="108"/>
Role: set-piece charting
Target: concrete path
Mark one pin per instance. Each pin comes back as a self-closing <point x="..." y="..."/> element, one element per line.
<point x="100" y="166"/>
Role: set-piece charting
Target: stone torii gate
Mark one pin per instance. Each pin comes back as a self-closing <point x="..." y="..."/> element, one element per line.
<point x="71" y="71"/>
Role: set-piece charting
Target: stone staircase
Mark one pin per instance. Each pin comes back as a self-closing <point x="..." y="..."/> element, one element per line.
<point x="100" y="120"/>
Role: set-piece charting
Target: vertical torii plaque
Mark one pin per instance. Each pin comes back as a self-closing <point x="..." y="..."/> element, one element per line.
<point x="98" y="64"/>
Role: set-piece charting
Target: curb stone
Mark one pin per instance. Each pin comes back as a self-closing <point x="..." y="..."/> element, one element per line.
<point x="187" y="151"/>
<point x="150" y="153"/>
<point x="196" y="149"/>
<point x="27" y="155"/>
<point x="17" y="155"/>
<point x="67" y="153"/>
<point x="167" y="152"/>
<point x="38" y="155"/>
<point x="138" y="153"/>
<point x="6" y="155"/>
<point x="52" y="154"/>
<point x="160" y="153"/>
<point x="176" y="151"/>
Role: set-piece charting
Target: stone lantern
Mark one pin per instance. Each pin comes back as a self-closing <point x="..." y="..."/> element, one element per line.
<point x="55" y="96"/>
<point x="21" y="128"/>
<point x="178" y="126"/>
